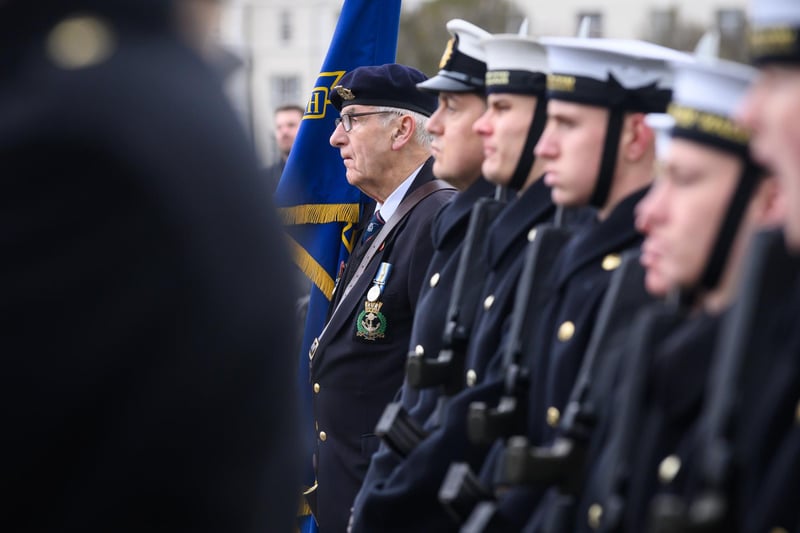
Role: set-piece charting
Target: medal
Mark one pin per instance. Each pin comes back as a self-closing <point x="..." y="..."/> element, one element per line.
<point x="381" y="277"/>
<point x="374" y="293"/>
<point x="371" y="323"/>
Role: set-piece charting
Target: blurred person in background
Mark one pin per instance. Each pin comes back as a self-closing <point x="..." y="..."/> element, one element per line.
<point x="287" y="122"/>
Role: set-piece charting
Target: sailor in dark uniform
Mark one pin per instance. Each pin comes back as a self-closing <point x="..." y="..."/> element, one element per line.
<point x="767" y="432"/>
<point x="708" y="201"/>
<point x="515" y="83"/>
<point x="516" y="92"/>
<point x="597" y="151"/>
<point x="636" y="81"/>
<point x="458" y="154"/>
<point x="358" y="361"/>
<point x="146" y="305"/>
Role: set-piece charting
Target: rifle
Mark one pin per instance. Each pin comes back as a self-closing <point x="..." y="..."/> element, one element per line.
<point x="485" y="424"/>
<point x="461" y="490"/>
<point x="563" y="463"/>
<point x="655" y="323"/>
<point x="401" y="432"/>
<point x="447" y="370"/>
<point x="767" y="273"/>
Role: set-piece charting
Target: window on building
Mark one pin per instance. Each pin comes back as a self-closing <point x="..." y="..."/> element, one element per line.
<point x="663" y="24"/>
<point x="595" y="21"/>
<point x="732" y="25"/>
<point x="730" y="21"/>
<point x="285" y="90"/>
<point x="285" y="27"/>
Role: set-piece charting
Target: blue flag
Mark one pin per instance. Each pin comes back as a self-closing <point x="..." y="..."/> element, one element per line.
<point x="318" y="206"/>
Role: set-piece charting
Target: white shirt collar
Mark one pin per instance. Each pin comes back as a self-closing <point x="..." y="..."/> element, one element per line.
<point x="388" y="207"/>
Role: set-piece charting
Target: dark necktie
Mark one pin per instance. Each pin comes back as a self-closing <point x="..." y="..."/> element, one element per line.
<point x="374" y="226"/>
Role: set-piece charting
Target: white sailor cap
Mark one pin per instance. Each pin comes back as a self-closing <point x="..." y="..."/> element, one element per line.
<point x="705" y="97"/>
<point x="615" y="73"/>
<point x="515" y="64"/>
<point x="463" y="64"/>
<point x="775" y="31"/>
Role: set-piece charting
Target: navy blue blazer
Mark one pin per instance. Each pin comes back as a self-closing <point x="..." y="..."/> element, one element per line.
<point x="580" y="278"/>
<point x="449" y="230"/>
<point x="675" y="391"/>
<point x="767" y="434"/>
<point x="505" y="252"/>
<point x="414" y="483"/>
<point x="356" y="371"/>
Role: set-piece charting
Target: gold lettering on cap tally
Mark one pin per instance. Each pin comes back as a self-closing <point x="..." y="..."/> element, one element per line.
<point x="498" y="77"/>
<point x="772" y="40"/>
<point x="709" y="124"/>
<point x="559" y="82"/>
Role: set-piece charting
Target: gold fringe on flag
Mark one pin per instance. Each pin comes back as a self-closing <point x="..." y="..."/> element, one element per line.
<point x="312" y="269"/>
<point x="319" y="213"/>
<point x="348" y="242"/>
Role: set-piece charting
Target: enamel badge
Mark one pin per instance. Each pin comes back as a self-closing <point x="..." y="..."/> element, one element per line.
<point x="371" y="324"/>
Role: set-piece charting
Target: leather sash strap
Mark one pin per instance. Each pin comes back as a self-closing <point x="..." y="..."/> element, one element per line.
<point x="408" y="203"/>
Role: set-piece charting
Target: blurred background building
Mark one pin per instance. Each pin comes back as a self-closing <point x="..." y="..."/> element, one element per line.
<point x="280" y="45"/>
<point x="272" y="49"/>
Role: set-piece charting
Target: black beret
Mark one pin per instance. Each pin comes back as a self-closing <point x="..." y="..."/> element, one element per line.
<point x="391" y="85"/>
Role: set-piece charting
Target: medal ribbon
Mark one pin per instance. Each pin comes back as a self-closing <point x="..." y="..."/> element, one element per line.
<point x="379" y="282"/>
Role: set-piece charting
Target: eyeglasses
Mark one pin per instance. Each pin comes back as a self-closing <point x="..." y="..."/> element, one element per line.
<point x="346" y="119"/>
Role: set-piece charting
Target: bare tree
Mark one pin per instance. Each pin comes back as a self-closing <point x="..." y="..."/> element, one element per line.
<point x="423" y="34"/>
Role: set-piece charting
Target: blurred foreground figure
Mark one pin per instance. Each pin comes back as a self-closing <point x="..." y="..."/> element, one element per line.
<point x="145" y="317"/>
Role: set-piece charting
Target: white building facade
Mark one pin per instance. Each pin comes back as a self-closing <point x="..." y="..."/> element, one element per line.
<point x="627" y="19"/>
<point x="282" y="43"/>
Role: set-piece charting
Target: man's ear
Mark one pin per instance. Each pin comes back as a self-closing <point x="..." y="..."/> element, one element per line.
<point x="636" y="139"/>
<point x="403" y="131"/>
<point x="769" y="203"/>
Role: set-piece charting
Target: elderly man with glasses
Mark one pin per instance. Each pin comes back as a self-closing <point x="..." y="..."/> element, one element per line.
<point x="358" y="360"/>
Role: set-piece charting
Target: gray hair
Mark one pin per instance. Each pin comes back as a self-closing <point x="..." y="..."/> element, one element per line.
<point x="421" y="134"/>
